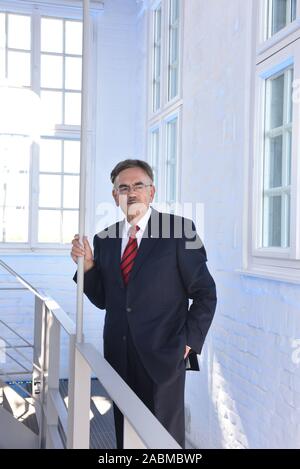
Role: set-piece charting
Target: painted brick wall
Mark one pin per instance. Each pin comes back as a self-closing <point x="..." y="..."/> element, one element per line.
<point x="247" y="395"/>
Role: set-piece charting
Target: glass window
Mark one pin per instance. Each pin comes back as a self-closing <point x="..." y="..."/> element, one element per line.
<point x="51" y="71"/>
<point x="52" y="35"/>
<point x="277" y="160"/>
<point x="154" y="157"/>
<point x="19" y="32"/>
<point x="171" y="164"/>
<point x="157" y="59"/>
<point x="14" y="188"/>
<point x="73" y="73"/>
<point x="61" y="63"/>
<point x="59" y="192"/>
<point x="18" y="70"/>
<point x="56" y="169"/>
<point x="173" y="62"/>
<point x="280" y="14"/>
<point x="73" y="37"/>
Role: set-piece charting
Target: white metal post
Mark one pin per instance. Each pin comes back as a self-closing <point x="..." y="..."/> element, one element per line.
<point x="38" y="384"/>
<point x="83" y="159"/>
<point x="53" y="358"/>
<point x="79" y="392"/>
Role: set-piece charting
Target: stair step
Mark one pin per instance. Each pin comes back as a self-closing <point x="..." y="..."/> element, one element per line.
<point x="20" y="407"/>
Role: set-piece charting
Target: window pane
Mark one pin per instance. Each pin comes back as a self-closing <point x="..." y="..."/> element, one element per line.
<point x="73" y="73"/>
<point x="2" y="30"/>
<point x="173" y="49"/>
<point x="72" y="108"/>
<point x="289" y="157"/>
<point x="71" y="191"/>
<point x="156" y="104"/>
<point x="276" y="101"/>
<point x="12" y="232"/>
<point x="70" y="225"/>
<point x="171" y="161"/>
<point x="71" y="156"/>
<point x="49" y="226"/>
<point x="51" y="35"/>
<point x="174" y="10"/>
<point x="14" y="189"/>
<point x="287" y="200"/>
<point x="50" y="191"/>
<point x="19" y="32"/>
<point x="294" y="10"/>
<point x="174" y="40"/>
<point x="19" y="67"/>
<point x="173" y="82"/>
<point x="154" y="154"/>
<point x="279" y="15"/>
<point x="2" y="64"/>
<point x="50" y="155"/>
<point x="157" y="59"/>
<point x="51" y="71"/>
<point x="2" y="46"/>
<point x="52" y="107"/>
<point x="272" y="232"/>
<point x="290" y="76"/>
<point x="275" y="171"/>
<point x="74" y="37"/>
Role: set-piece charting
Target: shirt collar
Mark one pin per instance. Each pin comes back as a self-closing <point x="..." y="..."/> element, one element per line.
<point x="142" y="223"/>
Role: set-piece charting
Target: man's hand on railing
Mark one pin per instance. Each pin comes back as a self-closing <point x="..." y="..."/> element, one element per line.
<point x="78" y="250"/>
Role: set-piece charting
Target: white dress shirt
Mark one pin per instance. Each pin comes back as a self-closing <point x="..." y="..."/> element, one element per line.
<point x="142" y="223"/>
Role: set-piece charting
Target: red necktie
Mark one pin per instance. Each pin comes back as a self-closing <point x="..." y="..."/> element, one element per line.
<point x="129" y="254"/>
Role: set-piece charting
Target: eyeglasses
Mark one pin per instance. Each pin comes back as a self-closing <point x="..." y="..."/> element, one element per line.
<point x="138" y="187"/>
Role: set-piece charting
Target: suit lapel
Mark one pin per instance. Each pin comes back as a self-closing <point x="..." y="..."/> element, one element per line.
<point x="115" y="246"/>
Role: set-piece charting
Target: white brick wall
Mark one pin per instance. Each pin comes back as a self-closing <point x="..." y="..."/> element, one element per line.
<point x="247" y="394"/>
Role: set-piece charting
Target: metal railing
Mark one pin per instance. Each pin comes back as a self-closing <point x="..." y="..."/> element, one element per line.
<point x="141" y="428"/>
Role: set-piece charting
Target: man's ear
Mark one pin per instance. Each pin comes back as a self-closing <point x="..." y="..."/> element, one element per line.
<point x="116" y="197"/>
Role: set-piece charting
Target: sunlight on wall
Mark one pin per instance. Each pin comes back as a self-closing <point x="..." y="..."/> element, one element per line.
<point x="230" y="425"/>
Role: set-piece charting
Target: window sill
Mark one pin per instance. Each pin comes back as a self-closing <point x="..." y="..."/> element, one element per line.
<point x="35" y="251"/>
<point x="284" y="276"/>
<point x="277" y="38"/>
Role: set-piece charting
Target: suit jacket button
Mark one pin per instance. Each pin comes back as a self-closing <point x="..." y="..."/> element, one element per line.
<point x="124" y="337"/>
<point x="128" y="310"/>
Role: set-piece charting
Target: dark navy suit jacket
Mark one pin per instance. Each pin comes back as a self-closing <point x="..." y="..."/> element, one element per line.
<point x="169" y="269"/>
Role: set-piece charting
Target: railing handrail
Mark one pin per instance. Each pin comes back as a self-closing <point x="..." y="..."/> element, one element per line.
<point x="150" y="431"/>
<point x="146" y="425"/>
<point x="16" y="333"/>
<point x="62" y="317"/>
<point x="21" y="280"/>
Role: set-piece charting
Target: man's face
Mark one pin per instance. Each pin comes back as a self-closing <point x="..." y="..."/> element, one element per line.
<point x="133" y="202"/>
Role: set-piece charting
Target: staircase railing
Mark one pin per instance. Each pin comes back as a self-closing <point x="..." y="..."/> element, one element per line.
<point x="141" y="428"/>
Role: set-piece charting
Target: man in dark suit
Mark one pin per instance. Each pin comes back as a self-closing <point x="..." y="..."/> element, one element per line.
<point x="143" y="272"/>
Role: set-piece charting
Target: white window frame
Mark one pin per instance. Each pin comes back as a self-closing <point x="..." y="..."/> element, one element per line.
<point x="166" y="122"/>
<point x="67" y="10"/>
<point x="157" y="176"/>
<point x="169" y="109"/>
<point x="161" y="187"/>
<point x="270" y="262"/>
<point x="265" y="44"/>
<point x="165" y="102"/>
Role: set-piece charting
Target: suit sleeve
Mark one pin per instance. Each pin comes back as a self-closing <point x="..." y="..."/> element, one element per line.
<point x="199" y="285"/>
<point x="93" y="283"/>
